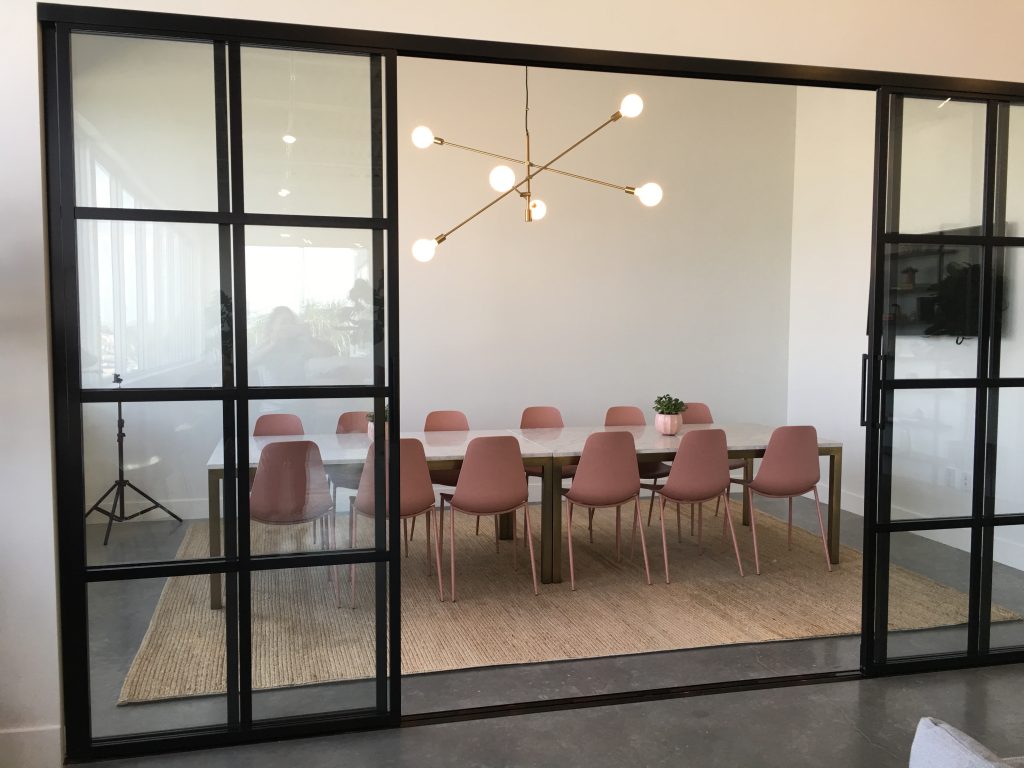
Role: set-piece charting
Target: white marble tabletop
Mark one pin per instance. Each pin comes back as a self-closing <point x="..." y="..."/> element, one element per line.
<point x="533" y="443"/>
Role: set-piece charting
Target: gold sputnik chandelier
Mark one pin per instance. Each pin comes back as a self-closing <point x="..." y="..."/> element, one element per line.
<point x="503" y="179"/>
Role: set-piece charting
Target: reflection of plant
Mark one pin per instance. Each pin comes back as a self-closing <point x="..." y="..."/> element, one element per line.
<point x="668" y="405"/>
<point x="369" y="414"/>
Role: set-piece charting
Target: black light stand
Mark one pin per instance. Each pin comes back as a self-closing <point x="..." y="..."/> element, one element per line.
<point x="120" y="486"/>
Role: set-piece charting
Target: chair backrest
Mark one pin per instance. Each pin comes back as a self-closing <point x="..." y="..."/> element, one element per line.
<point x="608" y="472"/>
<point x="278" y="424"/>
<point x="415" y="491"/>
<point x="492" y="478"/>
<point x="624" y="416"/>
<point x="697" y="413"/>
<point x="351" y="422"/>
<point x="290" y="484"/>
<point x="541" y="417"/>
<point x="700" y="469"/>
<point x="446" y="421"/>
<point x="790" y="464"/>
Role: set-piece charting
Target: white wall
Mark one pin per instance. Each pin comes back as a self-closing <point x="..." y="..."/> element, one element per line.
<point x="919" y="36"/>
<point x="604" y="301"/>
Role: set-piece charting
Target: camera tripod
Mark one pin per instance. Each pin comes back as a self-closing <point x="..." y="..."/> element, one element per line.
<point x="120" y="486"/>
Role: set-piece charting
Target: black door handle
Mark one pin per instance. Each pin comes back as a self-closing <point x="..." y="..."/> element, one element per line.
<point x="864" y="390"/>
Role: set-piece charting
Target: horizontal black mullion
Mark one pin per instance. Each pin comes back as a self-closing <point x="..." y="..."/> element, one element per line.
<point x="1013" y="381"/>
<point x="895" y="238"/>
<point x="933" y="383"/>
<point x="159" y="570"/>
<point x="928" y="524"/>
<point x="227" y="217"/>
<point x="1017" y="519"/>
<point x="328" y="391"/>
<point x="319" y="558"/>
<point x="156" y="394"/>
<point x="910" y="665"/>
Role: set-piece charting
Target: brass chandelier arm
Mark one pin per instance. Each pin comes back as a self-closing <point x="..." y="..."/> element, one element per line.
<point x="445" y="143"/>
<point x="546" y="167"/>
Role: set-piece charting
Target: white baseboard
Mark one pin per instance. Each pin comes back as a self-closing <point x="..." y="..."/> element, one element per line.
<point x="31" y="747"/>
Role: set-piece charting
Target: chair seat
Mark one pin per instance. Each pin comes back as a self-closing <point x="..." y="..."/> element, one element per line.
<point x="569" y="470"/>
<point x="583" y="500"/>
<point x="444" y="477"/>
<point x="652" y="470"/>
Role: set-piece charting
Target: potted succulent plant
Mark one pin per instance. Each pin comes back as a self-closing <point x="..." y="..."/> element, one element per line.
<point x="669" y="412"/>
<point x="369" y="423"/>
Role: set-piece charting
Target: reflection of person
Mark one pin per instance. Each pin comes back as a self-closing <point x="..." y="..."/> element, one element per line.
<point x="284" y="348"/>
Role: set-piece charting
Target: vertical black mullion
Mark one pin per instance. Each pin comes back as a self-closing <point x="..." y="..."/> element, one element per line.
<point x="394" y="562"/>
<point x="241" y="389"/>
<point x="875" y="294"/>
<point x="67" y="387"/>
<point x="228" y="511"/>
<point x="381" y="522"/>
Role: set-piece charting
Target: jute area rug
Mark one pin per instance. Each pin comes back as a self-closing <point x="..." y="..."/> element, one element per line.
<point x="300" y="636"/>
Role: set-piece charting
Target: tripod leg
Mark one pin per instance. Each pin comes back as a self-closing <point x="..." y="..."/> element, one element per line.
<point x="156" y="504"/>
<point x="96" y="507"/>
<point x="118" y="496"/>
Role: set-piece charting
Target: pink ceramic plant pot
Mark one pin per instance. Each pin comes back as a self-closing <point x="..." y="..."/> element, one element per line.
<point x="668" y="423"/>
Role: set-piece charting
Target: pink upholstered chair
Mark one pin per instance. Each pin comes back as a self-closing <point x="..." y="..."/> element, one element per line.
<point x="652" y="471"/>
<point x="416" y="497"/>
<point x="492" y="482"/>
<point x="290" y="488"/>
<point x="277" y="424"/>
<point x="700" y="472"/>
<point x="348" y="475"/>
<point x="789" y="468"/>
<point x="607" y="476"/>
<point x="352" y="422"/>
<point x="544" y="417"/>
<point x="445" y="421"/>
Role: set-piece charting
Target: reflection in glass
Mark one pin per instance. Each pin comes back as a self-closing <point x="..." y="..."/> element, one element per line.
<point x="1014" y="224"/>
<point x="309" y="300"/>
<point x="172" y="452"/>
<point x="1009" y="491"/>
<point x="156" y="656"/>
<point x="932" y="453"/>
<point x="1008" y="295"/>
<point x="941" y="166"/>
<point x="306" y="120"/>
<point x="933" y="295"/>
<point x="1007" y="629"/>
<point x="149" y="304"/>
<point x="311" y="651"/>
<point x="929" y="582"/>
<point x="140" y="106"/>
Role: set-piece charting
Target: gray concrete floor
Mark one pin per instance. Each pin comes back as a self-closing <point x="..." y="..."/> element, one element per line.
<point x="860" y="723"/>
<point x="120" y="613"/>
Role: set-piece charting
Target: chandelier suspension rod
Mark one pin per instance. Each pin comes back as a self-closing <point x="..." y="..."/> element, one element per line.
<point x="547" y="166"/>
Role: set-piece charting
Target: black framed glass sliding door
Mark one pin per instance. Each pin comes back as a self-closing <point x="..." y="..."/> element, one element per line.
<point x="223" y="219"/>
<point x="942" y="387"/>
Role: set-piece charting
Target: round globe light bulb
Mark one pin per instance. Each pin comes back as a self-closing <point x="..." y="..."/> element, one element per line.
<point x="631" y="106"/>
<point x="502" y="178"/>
<point x="649" y="194"/>
<point x="538" y="210"/>
<point x="424" y="249"/>
<point x="422" y="137"/>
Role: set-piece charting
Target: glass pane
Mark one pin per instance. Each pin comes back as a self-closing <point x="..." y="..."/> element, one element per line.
<point x="1009" y="310"/>
<point x="172" y="457"/>
<point x="1010" y="452"/>
<point x="156" y="656"/>
<point x="1007" y="587"/>
<point x="933" y="294"/>
<point x="140" y="106"/>
<point x="309" y="302"/>
<point x="302" y="495"/>
<point x="306" y="130"/>
<point x="149" y="304"/>
<point x="932" y="453"/>
<point x="929" y="582"/>
<point x="1015" y="173"/>
<point x="313" y="640"/>
<point x="942" y="167"/>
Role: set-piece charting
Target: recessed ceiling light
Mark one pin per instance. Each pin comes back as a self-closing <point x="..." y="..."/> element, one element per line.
<point x="288" y="139"/>
<point x="284" y="192"/>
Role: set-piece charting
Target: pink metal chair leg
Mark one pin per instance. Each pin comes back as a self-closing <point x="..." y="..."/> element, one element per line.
<point x="691" y="519"/>
<point x="529" y="539"/>
<point x="789" y="530"/>
<point x="753" y="531"/>
<point x="412" y="529"/>
<point x="735" y="546"/>
<point x="451" y="551"/>
<point x="433" y="523"/>
<point x="568" y="529"/>
<point x="717" y="502"/>
<point x="664" y="541"/>
<point x="632" y="538"/>
<point x="405" y="535"/>
<point x="821" y="527"/>
<point x="700" y="529"/>
<point x="618" y="533"/>
<point x="515" y="549"/>
<point x="352" y="543"/>
<point x="429" y="524"/>
<point x="497" y="534"/>
<point x="679" y="524"/>
<point x="643" y="539"/>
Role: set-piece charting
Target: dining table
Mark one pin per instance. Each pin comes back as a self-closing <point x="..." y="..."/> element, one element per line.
<point x="550" y="449"/>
